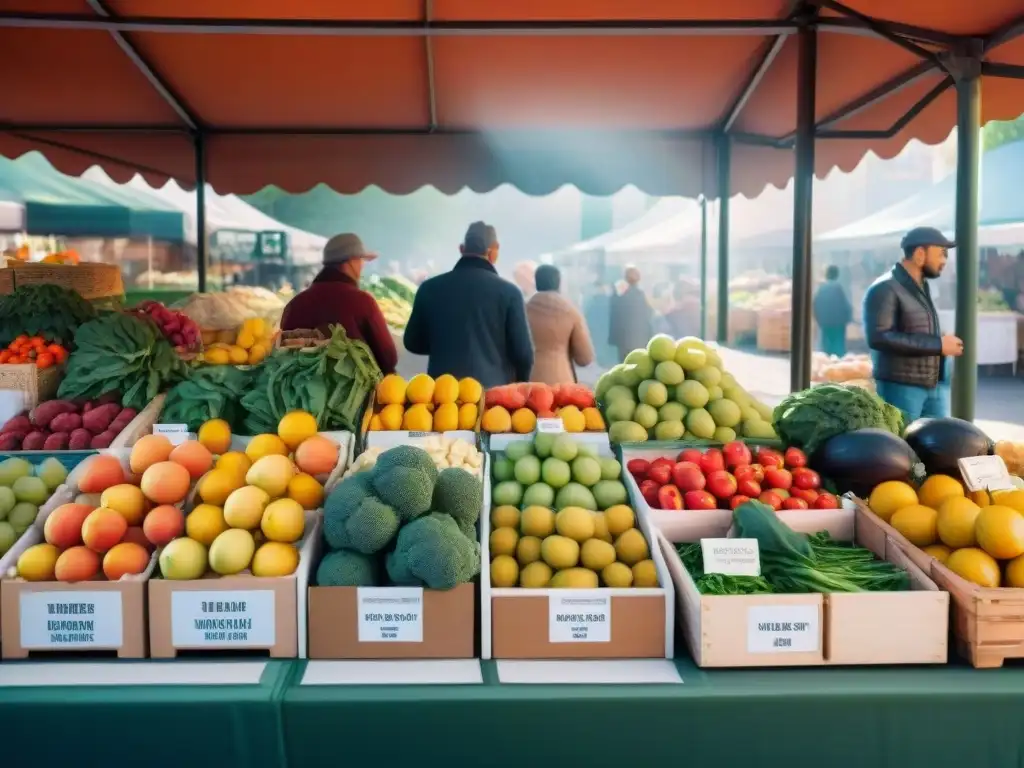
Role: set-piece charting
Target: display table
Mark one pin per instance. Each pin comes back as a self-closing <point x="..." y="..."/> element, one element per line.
<point x="997" y="336"/>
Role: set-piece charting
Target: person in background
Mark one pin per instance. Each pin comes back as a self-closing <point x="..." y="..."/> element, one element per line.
<point x="597" y="311"/>
<point x="832" y="312"/>
<point x="470" y="321"/>
<point x="560" y="336"/>
<point x="902" y="329"/>
<point x="630" y="326"/>
<point x="335" y="298"/>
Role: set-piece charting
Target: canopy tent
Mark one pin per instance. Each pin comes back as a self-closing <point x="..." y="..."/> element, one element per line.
<point x="663" y="210"/>
<point x="1000" y="204"/>
<point x="223" y="212"/>
<point x="41" y="201"/>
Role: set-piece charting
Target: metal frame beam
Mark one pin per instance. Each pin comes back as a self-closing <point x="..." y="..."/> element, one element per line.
<point x="996" y="69"/>
<point x="922" y="104"/>
<point x="1004" y="34"/>
<point x="760" y="70"/>
<point x="428" y="52"/>
<point x="880" y="28"/>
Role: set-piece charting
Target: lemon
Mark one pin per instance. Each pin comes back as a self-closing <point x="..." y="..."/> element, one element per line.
<point x="937" y="489"/>
<point x="645" y="574"/>
<point x="917" y="523"/>
<point x="420" y="389"/>
<point x="446" y="417"/>
<point x="537" y="521"/>
<point x="1014" y="576"/>
<point x="955" y="523"/>
<point x="205" y="523"/>
<point x="244" y="507"/>
<point x="375" y="425"/>
<point x="470" y="391"/>
<point x="504" y="571"/>
<point x="890" y="496"/>
<point x="231" y="552"/>
<point x="295" y="427"/>
<point x="1012" y="499"/>
<point x="974" y="565"/>
<point x="257" y="326"/>
<point x="560" y="552"/>
<point x="217" y="484"/>
<point x="536" y="575"/>
<point x="505" y="517"/>
<point x="468" y="413"/>
<point x="574" y="578"/>
<point x="596" y="554"/>
<point x="215" y="436"/>
<point x="258" y="353"/>
<point x="576" y="523"/>
<point x="1000" y="532"/>
<point x="418" y="419"/>
<point x="275" y="559"/>
<point x="631" y="547"/>
<point x="37" y="563"/>
<point x="601" y="527"/>
<point x="446" y="389"/>
<point x="391" y="390"/>
<point x="237" y="355"/>
<point x="245" y="339"/>
<point x="528" y="550"/>
<point x="217" y="356"/>
<point x="617" y="575"/>
<point x="235" y="462"/>
<point x="503" y="541"/>
<point x="619" y="519"/>
<point x="391" y="417"/>
<point x="939" y="551"/>
<point x="305" y="489"/>
<point x="271" y="473"/>
<point x="265" y="445"/>
<point x="283" y="520"/>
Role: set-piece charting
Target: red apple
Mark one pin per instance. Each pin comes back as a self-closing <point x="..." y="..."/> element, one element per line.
<point x="712" y="461"/>
<point x="795" y="458"/>
<point x="738" y="499"/>
<point x="691" y="455"/>
<point x="649" y="490"/>
<point x="721" y="484"/>
<point x="748" y="487"/>
<point x="736" y="454"/>
<point x="688" y="476"/>
<point x="806" y="479"/>
<point x="776" y="477"/>
<point x="826" y="501"/>
<point x="794" y="503"/>
<point x="806" y="494"/>
<point x="771" y="498"/>
<point x="660" y="473"/>
<point x="766" y="457"/>
<point x="638" y="468"/>
<point x="669" y="497"/>
<point x="700" y="500"/>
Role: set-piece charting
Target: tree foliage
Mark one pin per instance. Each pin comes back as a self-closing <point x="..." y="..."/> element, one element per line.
<point x="998" y="133"/>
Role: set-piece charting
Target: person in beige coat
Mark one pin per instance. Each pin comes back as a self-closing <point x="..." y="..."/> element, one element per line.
<point x="560" y="336"/>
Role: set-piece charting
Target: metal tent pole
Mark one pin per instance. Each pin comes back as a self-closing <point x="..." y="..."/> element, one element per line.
<point x="200" y="158"/>
<point x="967" y="73"/>
<point x="724" y="191"/>
<point x="803" y="187"/>
<point x="703" y="267"/>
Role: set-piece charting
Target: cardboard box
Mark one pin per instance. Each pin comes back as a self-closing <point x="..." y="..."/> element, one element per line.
<point x="835" y="629"/>
<point x="517" y="623"/>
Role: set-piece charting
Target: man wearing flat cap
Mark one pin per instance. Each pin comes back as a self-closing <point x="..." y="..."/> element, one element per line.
<point x="470" y="321"/>
<point x="908" y="348"/>
<point x="335" y="298"/>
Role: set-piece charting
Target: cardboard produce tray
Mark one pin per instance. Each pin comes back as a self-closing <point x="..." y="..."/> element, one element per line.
<point x="813" y="629"/>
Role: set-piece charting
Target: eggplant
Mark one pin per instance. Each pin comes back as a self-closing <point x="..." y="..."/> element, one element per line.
<point x="858" y="461"/>
<point x="941" y="443"/>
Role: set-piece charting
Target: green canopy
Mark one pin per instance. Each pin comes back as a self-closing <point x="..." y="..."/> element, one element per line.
<point x="56" y="204"/>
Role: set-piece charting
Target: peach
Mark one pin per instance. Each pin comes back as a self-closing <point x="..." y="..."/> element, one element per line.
<point x="126" y="499"/>
<point x="125" y="558"/>
<point x="317" y="455"/>
<point x="63" y="528"/>
<point x="193" y="456"/>
<point x="149" y="450"/>
<point x="166" y="483"/>
<point x="103" y="528"/>
<point x="99" y="473"/>
<point x="77" y="564"/>
<point x="163" y="524"/>
<point x="136" y="535"/>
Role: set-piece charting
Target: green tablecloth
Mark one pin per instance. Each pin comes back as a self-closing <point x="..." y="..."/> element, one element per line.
<point x="146" y="726"/>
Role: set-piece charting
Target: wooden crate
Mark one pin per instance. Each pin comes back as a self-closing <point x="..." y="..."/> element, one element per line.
<point x="773" y="326"/>
<point x="90" y="281"/>
<point x="742" y="324"/>
<point x="37" y="385"/>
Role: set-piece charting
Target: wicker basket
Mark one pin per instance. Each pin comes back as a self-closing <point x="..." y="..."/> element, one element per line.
<point x="90" y="281"/>
<point x="773" y="330"/>
<point x="300" y="338"/>
<point x="39" y="385"/>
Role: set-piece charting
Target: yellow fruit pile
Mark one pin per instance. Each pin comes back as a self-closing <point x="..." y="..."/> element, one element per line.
<point x="425" y="405"/>
<point x="251" y="507"/>
<point x="573" y="549"/>
<point x="249" y="346"/>
<point x="979" y="536"/>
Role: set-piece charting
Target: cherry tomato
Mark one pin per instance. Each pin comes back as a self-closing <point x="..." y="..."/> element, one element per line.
<point x="44" y="360"/>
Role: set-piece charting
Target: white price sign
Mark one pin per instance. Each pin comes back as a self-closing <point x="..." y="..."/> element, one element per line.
<point x="58" y="620"/>
<point x="579" y="617"/>
<point x="550" y="426"/>
<point x="985" y="473"/>
<point x="783" y="629"/>
<point x="731" y="557"/>
<point x="390" y="614"/>
<point x="223" y="619"/>
<point x="176" y="433"/>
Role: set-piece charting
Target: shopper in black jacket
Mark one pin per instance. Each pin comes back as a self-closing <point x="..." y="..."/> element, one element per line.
<point x="902" y="329"/>
<point x="470" y="321"/>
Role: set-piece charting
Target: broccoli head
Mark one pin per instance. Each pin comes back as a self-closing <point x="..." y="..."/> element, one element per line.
<point x="355" y="519"/>
<point x="432" y="552"/>
<point x="407" y="456"/>
<point x="346" y="568"/>
<point x="406" y="489"/>
<point x="460" y="495"/>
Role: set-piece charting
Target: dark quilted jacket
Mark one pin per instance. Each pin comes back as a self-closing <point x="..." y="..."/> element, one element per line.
<point x="902" y="330"/>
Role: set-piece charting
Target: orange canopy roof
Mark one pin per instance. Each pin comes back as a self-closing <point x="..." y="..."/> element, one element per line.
<point x="455" y="93"/>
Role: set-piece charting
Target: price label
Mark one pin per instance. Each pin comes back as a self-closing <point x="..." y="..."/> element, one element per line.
<point x="421" y="434"/>
<point x="731" y="557"/>
<point x="985" y="473"/>
<point x="579" y="617"/>
<point x="783" y="629"/>
<point x="550" y="426"/>
<point x="69" y="620"/>
<point x="176" y="433"/>
<point x="390" y="614"/>
<point x="223" y="619"/>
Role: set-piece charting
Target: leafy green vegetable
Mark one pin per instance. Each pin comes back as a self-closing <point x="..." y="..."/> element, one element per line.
<point x="332" y="382"/>
<point x="719" y="583"/>
<point x="47" y="310"/>
<point x="120" y="353"/>
<point x="809" y="418"/>
<point x="754" y="520"/>
<point x="210" y="392"/>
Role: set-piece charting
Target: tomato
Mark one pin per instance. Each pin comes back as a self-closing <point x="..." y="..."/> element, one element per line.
<point x="660" y="473"/>
<point x="669" y="497"/>
<point x="776" y="477"/>
<point x="690" y="454"/>
<point x="804" y="493"/>
<point x="736" y="454"/>
<point x="20" y="339"/>
<point x="638" y="468"/>
<point x="649" y="490"/>
<point x="701" y="500"/>
<point x="687" y="476"/>
<point x="766" y="457"/>
<point x="771" y="498"/>
<point x="5" y="356"/>
<point x="794" y="458"/>
<point x="721" y="484"/>
<point x="826" y="501"/>
<point x="806" y="479"/>
<point x="61" y="355"/>
<point x="738" y="499"/>
<point x="748" y="487"/>
<point x="711" y="461"/>
<point x="794" y="503"/>
<point x="44" y="360"/>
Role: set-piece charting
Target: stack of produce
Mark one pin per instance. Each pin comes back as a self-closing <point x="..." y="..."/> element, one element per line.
<point x="555" y="471"/>
<point x="718" y="478"/>
<point x="120" y="353"/>
<point x="516" y="408"/>
<point x="848" y="369"/>
<point x="249" y="346"/>
<point x="67" y="425"/>
<point x="808" y="419"/>
<point x="575" y="529"/>
<point x="34" y="350"/>
<point x="402" y="523"/>
<point x="426" y="405"/>
<point x="678" y="390"/>
<point x="49" y="311"/>
<point x="23" y="488"/>
<point x="395" y="296"/>
<point x="332" y="381"/>
<point x="992" y="300"/>
<point x="446" y="452"/>
<point x="177" y="328"/>
<point x="794" y="563"/>
<point x="207" y="393"/>
<point x="220" y="315"/>
<point x="1012" y="455"/>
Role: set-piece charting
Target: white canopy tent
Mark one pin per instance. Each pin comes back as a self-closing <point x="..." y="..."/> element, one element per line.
<point x="12" y="217"/>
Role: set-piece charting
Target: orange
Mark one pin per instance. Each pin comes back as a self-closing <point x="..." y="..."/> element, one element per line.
<point x="937" y="489"/>
<point x="524" y="421"/>
<point x="918" y="524"/>
<point x="1000" y="532"/>
<point x="956" y="522"/>
<point x="974" y="565"/>
<point x="296" y="427"/>
<point x="215" y="435"/>
<point x="890" y="496"/>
